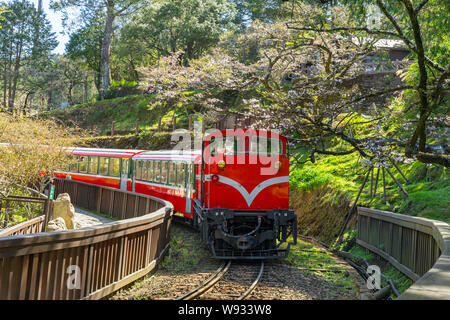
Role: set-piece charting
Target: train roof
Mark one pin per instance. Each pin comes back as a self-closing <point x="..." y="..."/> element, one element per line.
<point x="125" y="153"/>
<point x="188" y="155"/>
<point x="185" y="155"/>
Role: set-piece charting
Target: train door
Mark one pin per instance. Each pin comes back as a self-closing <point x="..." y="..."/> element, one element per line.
<point x="124" y="174"/>
<point x="189" y="186"/>
<point x="133" y="174"/>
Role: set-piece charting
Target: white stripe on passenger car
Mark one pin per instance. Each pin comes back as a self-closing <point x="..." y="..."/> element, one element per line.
<point x="249" y="197"/>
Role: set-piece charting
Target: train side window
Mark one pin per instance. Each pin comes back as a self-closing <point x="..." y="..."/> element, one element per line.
<point x="181" y="175"/>
<point x="83" y="164"/>
<point x="274" y="146"/>
<point x="93" y="165"/>
<point x="73" y="165"/>
<point x="164" y="169"/>
<point x="150" y="171"/>
<point x="192" y="171"/>
<point x="213" y="146"/>
<point x="103" y="166"/>
<point x="144" y="170"/>
<point x="229" y="145"/>
<point x="172" y="173"/>
<point x="114" y="167"/>
<point x="265" y="146"/>
<point x="157" y="172"/>
<point x="139" y="169"/>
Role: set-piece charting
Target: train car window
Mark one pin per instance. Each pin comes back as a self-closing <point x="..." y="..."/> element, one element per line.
<point x="150" y="171"/>
<point x="138" y="169"/>
<point x="274" y="146"/>
<point x="181" y="175"/>
<point x="265" y="146"/>
<point x="192" y="170"/>
<point x="93" y="165"/>
<point x="103" y="166"/>
<point x="114" y="167"/>
<point x="229" y="145"/>
<point x="213" y="142"/>
<point x="73" y="165"/>
<point x="157" y="171"/>
<point x="164" y="170"/>
<point x="145" y="170"/>
<point x="172" y="173"/>
<point x="83" y="164"/>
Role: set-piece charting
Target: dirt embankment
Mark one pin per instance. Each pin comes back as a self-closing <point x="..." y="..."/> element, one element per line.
<point x="320" y="212"/>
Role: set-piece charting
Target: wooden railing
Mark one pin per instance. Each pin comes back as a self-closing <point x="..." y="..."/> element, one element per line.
<point x="418" y="247"/>
<point x="92" y="262"/>
<point x="31" y="206"/>
<point x="31" y="226"/>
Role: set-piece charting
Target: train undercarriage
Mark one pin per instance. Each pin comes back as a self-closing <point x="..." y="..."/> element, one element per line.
<point x="247" y="234"/>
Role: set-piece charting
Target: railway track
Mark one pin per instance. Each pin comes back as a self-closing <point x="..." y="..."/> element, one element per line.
<point x="222" y="283"/>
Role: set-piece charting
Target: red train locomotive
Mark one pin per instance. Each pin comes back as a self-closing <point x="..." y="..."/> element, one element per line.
<point x="235" y="189"/>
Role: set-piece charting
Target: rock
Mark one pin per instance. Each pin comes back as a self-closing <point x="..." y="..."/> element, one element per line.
<point x="78" y="224"/>
<point x="64" y="209"/>
<point x="57" y="224"/>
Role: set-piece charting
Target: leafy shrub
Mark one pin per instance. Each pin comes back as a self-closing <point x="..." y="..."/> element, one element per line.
<point x="307" y="179"/>
<point x="150" y="140"/>
<point x="122" y="88"/>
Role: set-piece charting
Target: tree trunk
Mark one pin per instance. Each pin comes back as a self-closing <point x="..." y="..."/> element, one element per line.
<point x="106" y="48"/>
<point x="37" y="29"/>
<point x="9" y="82"/>
<point x="26" y="102"/>
<point x="15" y="76"/>
<point x="69" y="93"/>
<point x="49" y="95"/>
<point x="5" y="83"/>
<point x="420" y="133"/>
<point x="85" y="89"/>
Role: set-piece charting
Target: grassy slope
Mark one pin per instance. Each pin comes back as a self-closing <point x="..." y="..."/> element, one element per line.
<point x="429" y="199"/>
<point x="124" y="111"/>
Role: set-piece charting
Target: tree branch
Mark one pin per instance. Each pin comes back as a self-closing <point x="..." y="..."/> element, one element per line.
<point x="420" y="6"/>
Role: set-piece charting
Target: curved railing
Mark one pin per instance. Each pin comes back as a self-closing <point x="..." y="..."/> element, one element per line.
<point x="31" y="226"/>
<point x="418" y="247"/>
<point x="92" y="262"/>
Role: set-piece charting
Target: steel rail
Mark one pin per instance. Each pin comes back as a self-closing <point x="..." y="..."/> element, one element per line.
<point x="253" y="285"/>
<point x="207" y="284"/>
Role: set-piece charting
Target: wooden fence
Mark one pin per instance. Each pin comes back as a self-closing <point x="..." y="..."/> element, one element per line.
<point x="92" y="262"/>
<point x="31" y="226"/>
<point x="418" y="247"/>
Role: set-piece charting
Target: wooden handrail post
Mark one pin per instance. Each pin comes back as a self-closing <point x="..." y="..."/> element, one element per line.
<point x="190" y="123"/>
<point x="48" y="206"/>
<point x="112" y="128"/>
<point x="5" y="223"/>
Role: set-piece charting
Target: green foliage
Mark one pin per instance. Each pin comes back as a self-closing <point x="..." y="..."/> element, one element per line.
<point x="112" y="142"/>
<point x="85" y="44"/>
<point x="150" y="140"/>
<point x="427" y="199"/>
<point x="100" y="114"/>
<point x="26" y="41"/>
<point x="185" y="254"/>
<point x="401" y="282"/>
<point x="308" y="179"/>
<point x="320" y="263"/>
<point x="122" y="88"/>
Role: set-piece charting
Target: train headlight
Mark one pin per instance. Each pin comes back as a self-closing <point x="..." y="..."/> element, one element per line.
<point x="278" y="165"/>
<point x="221" y="164"/>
